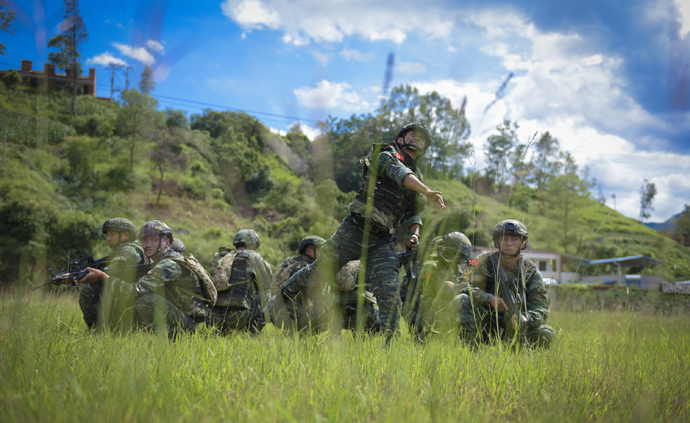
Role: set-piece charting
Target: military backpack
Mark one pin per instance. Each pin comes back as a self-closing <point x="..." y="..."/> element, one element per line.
<point x="208" y="289"/>
<point x="231" y="273"/>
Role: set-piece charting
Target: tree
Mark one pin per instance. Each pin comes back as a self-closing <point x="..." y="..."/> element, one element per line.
<point x="147" y="84"/>
<point x="448" y="126"/>
<point x="546" y="165"/>
<point x="498" y="152"/>
<point x="166" y="153"/>
<point x="176" y="119"/>
<point x="138" y="117"/>
<point x="6" y="21"/>
<point x="647" y="193"/>
<point x="69" y="42"/>
<point x="683" y="224"/>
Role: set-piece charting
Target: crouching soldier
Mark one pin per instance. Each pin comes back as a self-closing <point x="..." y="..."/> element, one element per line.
<point x="242" y="278"/>
<point x="440" y="279"/>
<point x="297" y="314"/>
<point x="99" y="306"/>
<point x="506" y="297"/>
<point x="347" y="284"/>
<point x="171" y="297"/>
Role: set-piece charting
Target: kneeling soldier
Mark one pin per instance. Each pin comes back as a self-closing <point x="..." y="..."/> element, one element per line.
<point x="440" y="279"/>
<point x="169" y="297"/>
<point x="242" y="278"/>
<point x="97" y="305"/>
<point x="505" y="285"/>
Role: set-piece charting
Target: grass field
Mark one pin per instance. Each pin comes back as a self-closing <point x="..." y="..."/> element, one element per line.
<point x="603" y="367"/>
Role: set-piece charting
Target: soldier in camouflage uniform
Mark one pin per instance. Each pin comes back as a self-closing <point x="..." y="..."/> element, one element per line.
<point x="242" y="278"/>
<point x="391" y="195"/>
<point x="441" y="278"/>
<point x="101" y="307"/>
<point x="169" y="296"/>
<point x="302" y="313"/>
<point x="178" y="246"/>
<point x="484" y="312"/>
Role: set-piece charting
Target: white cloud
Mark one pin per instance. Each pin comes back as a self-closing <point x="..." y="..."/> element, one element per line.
<point x="451" y="49"/>
<point x="684" y="8"/>
<point x="105" y="59"/>
<point x="320" y="21"/>
<point x="348" y="55"/>
<point x="154" y="45"/>
<point x="411" y="67"/>
<point x="330" y="95"/>
<point x="307" y="130"/>
<point x="322" y="58"/>
<point x="137" y="53"/>
<point x="278" y="131"/>
<point x="251" y="14"/>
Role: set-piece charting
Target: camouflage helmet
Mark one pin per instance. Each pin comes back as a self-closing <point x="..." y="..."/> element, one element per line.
<point x="314" y="240"/>
<point x="453" y="247"/>
<point x="120" y="224"/>
<point x="419" y="127"/>
<point x="247" y="237"/>
<point x="178" y="245"/>
<point x="155" y="227"/>
<point x="510" y="227"/>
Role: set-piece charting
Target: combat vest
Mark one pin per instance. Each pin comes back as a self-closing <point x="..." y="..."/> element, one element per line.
<point x="136" y="245"/>
<point x="390" y="201"/>
<point x="526" y="267"/>
<point x="206" y="285"/>
<point x="231" y="272"/>
<point x="288" y="268"/>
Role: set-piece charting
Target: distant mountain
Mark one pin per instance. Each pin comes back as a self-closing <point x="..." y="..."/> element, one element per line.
<point x="669" y="225"/>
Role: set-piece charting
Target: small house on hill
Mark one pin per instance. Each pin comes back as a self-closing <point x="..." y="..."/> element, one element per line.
<point x="49" y="79"/>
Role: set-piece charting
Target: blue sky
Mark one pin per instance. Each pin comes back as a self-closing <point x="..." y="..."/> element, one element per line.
<point x="610" y="80"/>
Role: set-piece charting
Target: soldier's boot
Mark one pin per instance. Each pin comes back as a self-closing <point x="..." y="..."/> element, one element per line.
<point x="541" y="337"/>
<point x="90" y="303"/>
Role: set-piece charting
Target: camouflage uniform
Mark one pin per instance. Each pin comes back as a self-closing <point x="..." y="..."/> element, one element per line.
<point x="393" y="205"/>
<point x="479" y="321"/>
<point x="169" y="294"/>
<point x="169" y="297"/>
<point x="102" y="307"/>
<point x="348" y="293"/>
<point x="432" y="306"/>
<point x="242" y="286"/>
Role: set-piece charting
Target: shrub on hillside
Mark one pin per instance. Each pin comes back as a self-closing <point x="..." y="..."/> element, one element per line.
<point x="12" y="79"/>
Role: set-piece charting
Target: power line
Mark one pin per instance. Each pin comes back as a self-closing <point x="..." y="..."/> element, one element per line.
<point x="234" y="108"/>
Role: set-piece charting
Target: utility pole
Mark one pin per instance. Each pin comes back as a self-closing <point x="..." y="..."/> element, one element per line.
<point x="127" y="77"/>
<point x="113" y="67"/>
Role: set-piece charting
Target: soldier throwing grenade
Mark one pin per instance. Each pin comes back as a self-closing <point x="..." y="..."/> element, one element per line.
<point x="392" y="194"/>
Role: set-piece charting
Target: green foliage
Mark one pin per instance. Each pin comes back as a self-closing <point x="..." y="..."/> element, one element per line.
<point x="12" y="79"/>
<point x="32" y="131"/>
<point x="176" y="119"/>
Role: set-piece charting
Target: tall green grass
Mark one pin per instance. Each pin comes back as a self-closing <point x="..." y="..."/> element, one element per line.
<point x="603" y="367"/>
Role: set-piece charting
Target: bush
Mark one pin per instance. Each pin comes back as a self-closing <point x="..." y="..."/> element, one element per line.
<point x="12" y="79"/>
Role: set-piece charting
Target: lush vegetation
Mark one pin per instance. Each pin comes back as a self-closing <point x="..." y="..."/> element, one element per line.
<point x="210" y="174"/>
<point x="602" y="367"/>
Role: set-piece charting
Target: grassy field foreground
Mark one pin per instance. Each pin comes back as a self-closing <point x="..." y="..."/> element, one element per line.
<point x="603" y="367"/>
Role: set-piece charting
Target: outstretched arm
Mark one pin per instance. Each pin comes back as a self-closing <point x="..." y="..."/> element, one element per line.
<point x="411" y="182"/>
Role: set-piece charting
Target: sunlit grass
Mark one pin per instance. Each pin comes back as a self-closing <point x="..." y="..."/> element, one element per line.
<point x="603" y="366"/>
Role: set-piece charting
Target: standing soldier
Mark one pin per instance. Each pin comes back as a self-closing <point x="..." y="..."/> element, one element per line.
<point x="120" y="234"/>
<point x="505" y="285"/>
<point x="391" y="195"/>
<point x="170" y="295"/>
<point x="441" y="277"/>
<point x="242" y="278"/>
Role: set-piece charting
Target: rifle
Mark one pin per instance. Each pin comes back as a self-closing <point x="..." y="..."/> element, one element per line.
<point x="408" y="287"/>
<point x="509" y="292"/>
<point x="75" y="271"/>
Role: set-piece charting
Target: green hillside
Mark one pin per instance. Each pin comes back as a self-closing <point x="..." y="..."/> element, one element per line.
<point x="218" y="172"/>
